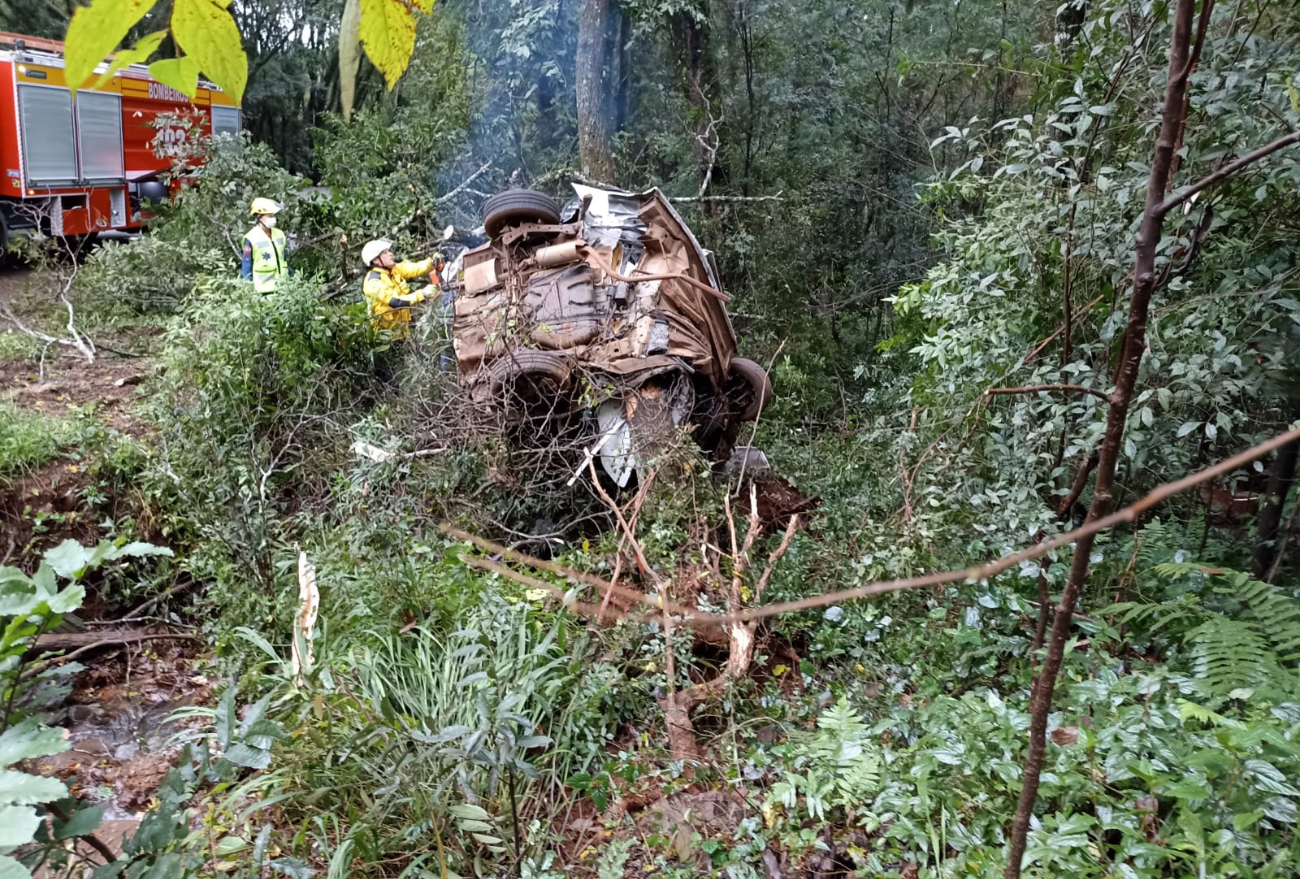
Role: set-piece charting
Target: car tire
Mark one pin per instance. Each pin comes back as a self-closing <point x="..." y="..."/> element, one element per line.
<point x="760" y="386"/>
<point x="518" y="206"/>
<point x="528" y="373"/>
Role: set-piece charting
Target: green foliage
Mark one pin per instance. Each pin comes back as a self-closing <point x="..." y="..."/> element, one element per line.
<point x="242" y="443"/>
<point x="29" y="607"/>
<point x="1242" y="635"/>
<point x="28" y="440"/>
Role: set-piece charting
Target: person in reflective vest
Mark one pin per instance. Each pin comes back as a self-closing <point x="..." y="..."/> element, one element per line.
<point x="264" y="261"/>
<point x="388" y="295"/>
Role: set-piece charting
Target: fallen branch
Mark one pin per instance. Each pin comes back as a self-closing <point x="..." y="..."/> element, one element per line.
<point x="1033" y="389"/>
<point x="993" y="568"/>
<point x="179" y="587"/>
<point x="695" y="198"/>
<point x="112" y="640"/>
<point x="443" y="199"/>
<point x="974" y="573"/>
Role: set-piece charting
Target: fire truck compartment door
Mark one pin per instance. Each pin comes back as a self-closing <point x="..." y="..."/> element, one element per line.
<point x="49" y="144"/>
<point x="99" y="128"/>
<point x="225" y="120"/>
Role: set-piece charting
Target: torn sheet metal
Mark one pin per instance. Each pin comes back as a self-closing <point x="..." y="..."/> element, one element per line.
<point x="616" y="446"/>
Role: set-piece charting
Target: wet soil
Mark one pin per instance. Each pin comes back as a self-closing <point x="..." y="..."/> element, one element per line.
<point x="123" y="740"/>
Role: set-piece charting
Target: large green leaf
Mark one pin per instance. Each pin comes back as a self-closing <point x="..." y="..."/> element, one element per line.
<point x="28" y="739"/>
<point x="248" y="756"/>
<point x="28" y="790"/>
<point x="95" y="31"/>
<point x="388" y="34"/>
<point x="17" y="597"/>
<point x="206" y="32"/>
<point x="181" y="74"/>
<point x="67" y="600"/>
<point x="69" y="558"/>
<point x="139" y="548"/>
<point x="17" y="824"/>
<point x="137" y="54"/>
<point x="11" y="869"/>
<point x="82" y="822"/>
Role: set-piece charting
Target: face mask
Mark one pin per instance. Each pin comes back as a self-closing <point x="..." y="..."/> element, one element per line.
<point x="268" y="221"/>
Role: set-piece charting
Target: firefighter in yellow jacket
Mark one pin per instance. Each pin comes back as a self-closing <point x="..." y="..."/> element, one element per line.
<point x="388" y="295"/>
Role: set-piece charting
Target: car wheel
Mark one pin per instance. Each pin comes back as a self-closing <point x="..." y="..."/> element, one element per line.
<point x="518" y="206"/>
<point x="759" y="383"/>
<point x="528" y="376"/>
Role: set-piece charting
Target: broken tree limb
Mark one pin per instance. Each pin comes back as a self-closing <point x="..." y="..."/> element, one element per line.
<point x="724" y="198"/>
<point x="1033" y="389"/>
<point x="97" y="641"/>
<point x="974" y="573"/>
<point x="443" y="199"/>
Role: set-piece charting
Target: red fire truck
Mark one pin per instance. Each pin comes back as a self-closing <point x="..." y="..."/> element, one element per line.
<point x="75" y="165"/>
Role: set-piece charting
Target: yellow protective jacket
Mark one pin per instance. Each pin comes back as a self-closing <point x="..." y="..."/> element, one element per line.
<point x="389" y="297"/>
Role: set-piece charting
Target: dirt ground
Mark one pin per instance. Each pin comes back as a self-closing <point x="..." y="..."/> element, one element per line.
<point x="63" y="378"/>
<point x="43" y="507"/>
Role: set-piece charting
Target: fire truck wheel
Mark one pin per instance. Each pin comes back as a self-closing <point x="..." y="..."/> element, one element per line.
<point x="518" y="206"/>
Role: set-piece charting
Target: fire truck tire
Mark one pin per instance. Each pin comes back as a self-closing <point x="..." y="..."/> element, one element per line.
<point x="518" y="206"/>
<point x="760" y="386"/>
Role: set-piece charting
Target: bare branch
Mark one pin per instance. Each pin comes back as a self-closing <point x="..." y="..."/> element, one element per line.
<point x="443" y="199"/>
<point x="1225" y="172"/>
<point x="1033" y="389"/>
<point x="695" y="198"/>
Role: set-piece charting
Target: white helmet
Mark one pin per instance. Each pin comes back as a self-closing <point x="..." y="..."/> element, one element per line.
<point x="372" y="249"/>
<point x="263" y="206"/>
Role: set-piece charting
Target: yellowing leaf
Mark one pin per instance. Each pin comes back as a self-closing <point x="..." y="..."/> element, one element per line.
<point x="137" y="54"/>
<point x="94" y="31"/>
<point x="388" y="34"/>
<point x="181" y="74"/>
<point x="206" y="32"/>
<point x="349" y="55"/>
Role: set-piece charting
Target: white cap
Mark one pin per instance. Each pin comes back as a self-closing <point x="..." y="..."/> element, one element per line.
<point x="372" y="249"/>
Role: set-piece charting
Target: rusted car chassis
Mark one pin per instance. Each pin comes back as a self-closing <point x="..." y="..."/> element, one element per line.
<point x="608" y="307"/>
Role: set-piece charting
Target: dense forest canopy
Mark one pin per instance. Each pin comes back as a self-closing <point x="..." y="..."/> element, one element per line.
<point x="1013" y="267"/>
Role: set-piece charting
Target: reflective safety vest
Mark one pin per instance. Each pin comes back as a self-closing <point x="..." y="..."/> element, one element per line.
<point x="269" y="263"/>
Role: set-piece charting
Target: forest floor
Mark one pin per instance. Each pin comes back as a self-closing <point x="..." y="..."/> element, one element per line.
<point x="116" y="712"/>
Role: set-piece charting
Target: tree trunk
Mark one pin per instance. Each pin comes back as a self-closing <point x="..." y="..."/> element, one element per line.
<point x="1280" y="477"/>
<point x="593" y="86"/>
<point x="1126" y="371"/>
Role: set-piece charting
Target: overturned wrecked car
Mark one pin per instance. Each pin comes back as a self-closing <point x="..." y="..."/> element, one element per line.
<point x="607" y="311"/>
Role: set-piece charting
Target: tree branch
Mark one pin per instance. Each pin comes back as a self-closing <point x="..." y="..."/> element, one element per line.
<point x="443" y="199"/>
<point x="1224" y="173"/>
<point x="1033" y="389"/>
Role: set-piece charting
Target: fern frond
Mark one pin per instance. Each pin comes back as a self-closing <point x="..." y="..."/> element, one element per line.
<point x="1276" y="615"/>
<point x="1229" y="654"/>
